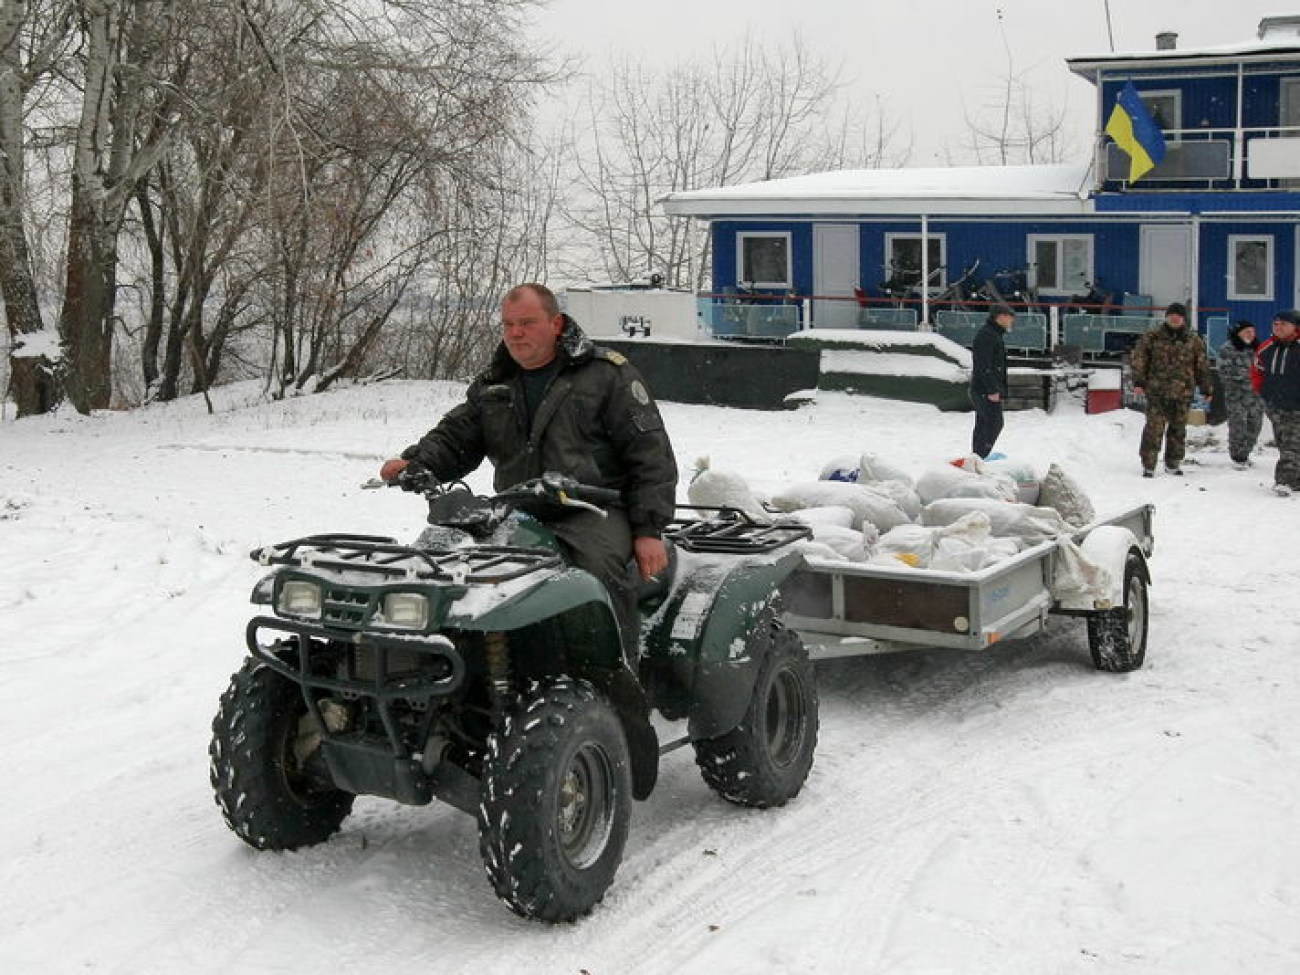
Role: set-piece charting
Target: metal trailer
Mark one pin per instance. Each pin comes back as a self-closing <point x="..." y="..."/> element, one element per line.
<point x="843" y="609"/>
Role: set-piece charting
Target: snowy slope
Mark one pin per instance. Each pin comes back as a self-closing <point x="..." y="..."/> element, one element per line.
<point x="1012" y="811"/>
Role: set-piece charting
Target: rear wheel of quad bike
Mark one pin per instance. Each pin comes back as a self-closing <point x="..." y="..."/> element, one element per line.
<point x="556" y="802"/>
<point x="1118" y="637"/>
<point x="263" y="743"/>
<point x="765" y="759"/>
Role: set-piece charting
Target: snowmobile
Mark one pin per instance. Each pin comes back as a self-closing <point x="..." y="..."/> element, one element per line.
<point x="476" y="668"/>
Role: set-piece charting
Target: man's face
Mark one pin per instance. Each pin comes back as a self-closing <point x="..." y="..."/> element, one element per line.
<point x="529" y="334"/>
<point x="1175" y="320"/>
<point x="1284" y="330"/>
<point x="1005" y="321"/>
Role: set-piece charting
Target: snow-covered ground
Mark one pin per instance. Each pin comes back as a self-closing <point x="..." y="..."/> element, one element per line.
<point x="1009" y="811"/>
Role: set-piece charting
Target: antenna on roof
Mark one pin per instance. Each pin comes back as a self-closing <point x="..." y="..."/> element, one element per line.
<point x="1110" y="31"/>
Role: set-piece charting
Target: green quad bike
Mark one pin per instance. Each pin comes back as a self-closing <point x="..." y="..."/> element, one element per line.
<point x="477" y="668"/>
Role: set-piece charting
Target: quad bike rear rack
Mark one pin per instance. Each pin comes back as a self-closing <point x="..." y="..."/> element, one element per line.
<point x="732" y="532"/>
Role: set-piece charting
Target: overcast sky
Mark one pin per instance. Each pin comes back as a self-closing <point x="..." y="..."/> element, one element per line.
<point x="933" y="62"/>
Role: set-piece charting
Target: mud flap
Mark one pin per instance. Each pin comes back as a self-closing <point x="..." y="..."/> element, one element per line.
<point x="629" y="700"/>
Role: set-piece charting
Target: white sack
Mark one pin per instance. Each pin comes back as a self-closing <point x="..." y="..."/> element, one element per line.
<point x="905" y="545"/>
<point x="722" y="489"/>
<point x="867" y="506"/>
<point x="847" y="543"/>
<point x="831" y="514"/>
<point x="902" y="493"/>
<point x="947" y="481"/>
<point x="963" y="546"/>
<point x="1026" y="478"/>
<point x="1007" y="519"/>
<point x="1060" y="491"/>
<point x="873" y="467"/>
<point x="1074" y="576"/>
<point x="843" y="468"/>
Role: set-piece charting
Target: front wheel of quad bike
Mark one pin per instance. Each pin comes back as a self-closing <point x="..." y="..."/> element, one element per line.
<point x="1118" y="637"/>
<point x="270" y="791"/>
<point x="765" y="759"/>
<point x="556" y="802"/>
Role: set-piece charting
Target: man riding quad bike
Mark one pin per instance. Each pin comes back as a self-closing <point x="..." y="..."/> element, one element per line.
<point x="499" y="663"/>
<point x="478" y="668"/>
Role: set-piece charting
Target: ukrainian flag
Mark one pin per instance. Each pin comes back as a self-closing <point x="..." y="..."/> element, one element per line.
<point x="1136" y="132"/>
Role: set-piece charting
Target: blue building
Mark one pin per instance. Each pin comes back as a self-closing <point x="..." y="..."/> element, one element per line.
<point x="1213" y="225"/>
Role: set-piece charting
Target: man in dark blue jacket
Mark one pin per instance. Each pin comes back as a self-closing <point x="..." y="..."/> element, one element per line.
<point x="1277" y="378"/>
<point x="988" y="378"/>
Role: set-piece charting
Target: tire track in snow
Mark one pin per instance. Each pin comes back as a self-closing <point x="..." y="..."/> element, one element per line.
<point x="848" y="814"/>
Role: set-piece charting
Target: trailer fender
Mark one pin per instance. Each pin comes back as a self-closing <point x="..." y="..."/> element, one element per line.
<point x="1109" y="547"/>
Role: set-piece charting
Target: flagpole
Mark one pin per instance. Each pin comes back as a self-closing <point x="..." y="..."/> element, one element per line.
<point x="1110" y="32"/>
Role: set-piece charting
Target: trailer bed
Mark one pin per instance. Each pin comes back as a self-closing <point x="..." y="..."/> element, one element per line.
<point x="844" y="608"/>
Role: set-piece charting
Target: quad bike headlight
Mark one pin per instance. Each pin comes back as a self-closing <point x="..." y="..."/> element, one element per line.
<point x="299" y="598"/>
<point x="409" y="610"/>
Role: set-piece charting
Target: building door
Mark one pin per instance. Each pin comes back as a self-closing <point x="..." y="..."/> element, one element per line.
<point x="835" y="275"/>
<point x="1166" y="270"/>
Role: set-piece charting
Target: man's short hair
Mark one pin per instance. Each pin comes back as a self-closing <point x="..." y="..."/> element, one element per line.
<point x="550" y="304"/>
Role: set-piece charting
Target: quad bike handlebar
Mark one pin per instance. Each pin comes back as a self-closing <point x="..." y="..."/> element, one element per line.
<point x="550" y="490"/>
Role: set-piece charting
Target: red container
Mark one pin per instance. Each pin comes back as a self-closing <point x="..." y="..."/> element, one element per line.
<point x="1103" y="400"/>
<point x="1104" y="391"/>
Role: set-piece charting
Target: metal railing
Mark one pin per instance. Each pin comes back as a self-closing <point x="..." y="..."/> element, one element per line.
<point x="1215" y="159"/>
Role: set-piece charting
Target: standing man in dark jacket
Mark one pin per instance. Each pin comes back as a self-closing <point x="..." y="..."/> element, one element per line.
<point x="1169" y="363"/>
<point x="988" y="378"/>
<point x="550" y="400"/>
<point x="1277" y="376"/>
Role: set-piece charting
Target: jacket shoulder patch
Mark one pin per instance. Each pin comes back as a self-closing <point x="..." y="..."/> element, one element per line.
<point x="618" y="358"/>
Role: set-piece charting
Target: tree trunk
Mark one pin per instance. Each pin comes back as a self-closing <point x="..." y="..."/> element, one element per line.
<point x="153" y="233"/>
<point x="86" y="320"/>
<point x="32" y="378"/>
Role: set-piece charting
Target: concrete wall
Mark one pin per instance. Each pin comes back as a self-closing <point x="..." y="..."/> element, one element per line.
<point x="721" y="374"/>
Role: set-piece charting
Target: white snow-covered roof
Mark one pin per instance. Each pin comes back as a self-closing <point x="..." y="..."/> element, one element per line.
<point x="1058" y="189"/>
<point x="1281" y="42"/>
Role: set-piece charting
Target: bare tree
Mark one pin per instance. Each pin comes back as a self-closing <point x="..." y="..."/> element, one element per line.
<point x="752" y="113"/>
<point x="384" y="136"/>
<point x="33" y="41"/>
<point x="1018" y="129"/>
<point x="1015" y="127"/>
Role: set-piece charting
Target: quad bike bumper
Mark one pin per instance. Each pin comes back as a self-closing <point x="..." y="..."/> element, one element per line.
<point x="381" y="666"/>
<point x="388" y="669"/>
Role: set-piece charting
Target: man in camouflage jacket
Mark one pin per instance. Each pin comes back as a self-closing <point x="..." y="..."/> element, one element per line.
<point x="551" y="400"/>
<point x="1236" y="359"/>
<point x="1169" y="363"/>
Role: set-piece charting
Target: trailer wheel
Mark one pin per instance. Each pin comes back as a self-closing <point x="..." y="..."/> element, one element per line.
<point x="265" y="768"/>
<point x="764" y="760"/>
<point x="1118" y="637"/>
<point x="556" y="802"/>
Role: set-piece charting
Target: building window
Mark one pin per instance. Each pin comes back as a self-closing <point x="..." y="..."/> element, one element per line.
<point x="764" y="260"/>
<point x="1060" y="265"/>
<point x="1250" y="263"/>
<point x="903" y="259"/>
<point x="1166" y="107"/>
